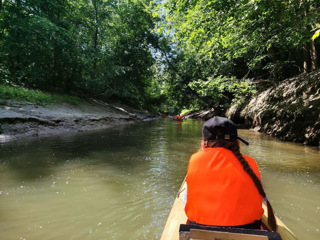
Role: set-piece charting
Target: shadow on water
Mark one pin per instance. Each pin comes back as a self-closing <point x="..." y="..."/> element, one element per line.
<point x="32" y="159"/>
<point x="120" y="147"/>
<point x="123" y="176"/>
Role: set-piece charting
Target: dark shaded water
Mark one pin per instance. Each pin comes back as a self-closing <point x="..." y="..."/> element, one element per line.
<point x="121" y="183"/>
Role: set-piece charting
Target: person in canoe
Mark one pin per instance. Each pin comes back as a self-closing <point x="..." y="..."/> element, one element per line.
<point x="178" y="118"/>
<point x="223" y="186"/>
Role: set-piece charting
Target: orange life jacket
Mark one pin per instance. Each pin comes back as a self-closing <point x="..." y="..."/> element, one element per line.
<point x="220" y="192"/>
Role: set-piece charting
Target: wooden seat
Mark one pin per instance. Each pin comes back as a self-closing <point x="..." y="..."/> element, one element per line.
<point x="194" y="232"/>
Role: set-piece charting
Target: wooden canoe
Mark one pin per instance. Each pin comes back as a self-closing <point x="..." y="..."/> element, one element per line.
<point x="177" y="216"/>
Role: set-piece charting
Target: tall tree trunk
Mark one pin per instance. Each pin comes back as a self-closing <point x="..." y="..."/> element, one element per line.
<point x="274" y="54"/>
<point x="56" y="78"/>
<point x="314" y="53"/>
<point x="317" y="47"/>
<point x="18" y="58"/>
<point x="317" y="41"/>
<point x="95" y="47"/>
<point x="95" y="44"/>
<point x="307" y="66"/>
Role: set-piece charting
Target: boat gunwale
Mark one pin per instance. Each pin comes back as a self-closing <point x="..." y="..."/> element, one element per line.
<point x="177" y="216"/>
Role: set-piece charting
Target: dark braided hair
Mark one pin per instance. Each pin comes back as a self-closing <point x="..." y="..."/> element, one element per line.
<point x="232" y="144"/>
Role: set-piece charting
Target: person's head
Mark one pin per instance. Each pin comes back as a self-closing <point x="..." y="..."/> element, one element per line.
<point x="218" y="130"/>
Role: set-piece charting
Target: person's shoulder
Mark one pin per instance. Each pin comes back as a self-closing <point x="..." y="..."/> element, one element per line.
<point x="252" y="163"/>
<point x="249" y="159"/>
<point x="200" y="153"/>
<point x="206" y="151"/>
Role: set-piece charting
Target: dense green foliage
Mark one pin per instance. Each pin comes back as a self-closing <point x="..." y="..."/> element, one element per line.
<point x="34" y="96"/>
<point x="220" y="44"/>
<point x="96" y="47"/>
<point x="160" y="55"/>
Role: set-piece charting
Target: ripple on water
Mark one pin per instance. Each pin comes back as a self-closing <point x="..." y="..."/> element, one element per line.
<point x="121" y="183"/>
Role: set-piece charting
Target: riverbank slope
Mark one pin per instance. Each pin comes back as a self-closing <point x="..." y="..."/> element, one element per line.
<point x="289" y="110"/>
<point x="20" y="119"/>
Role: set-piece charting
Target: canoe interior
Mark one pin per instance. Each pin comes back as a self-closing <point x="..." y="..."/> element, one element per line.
<point x="177" y="216"/>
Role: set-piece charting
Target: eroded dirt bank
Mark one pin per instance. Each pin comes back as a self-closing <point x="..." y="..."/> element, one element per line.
<point x="289" y="110"/>
<point x="23" y="119"/>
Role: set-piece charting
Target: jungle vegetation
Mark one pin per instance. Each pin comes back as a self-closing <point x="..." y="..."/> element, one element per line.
<point x="157" y="55"/>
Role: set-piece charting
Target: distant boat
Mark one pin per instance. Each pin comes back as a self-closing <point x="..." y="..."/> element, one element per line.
<point x="178" y="120"/>
<point x="177" y="217"/>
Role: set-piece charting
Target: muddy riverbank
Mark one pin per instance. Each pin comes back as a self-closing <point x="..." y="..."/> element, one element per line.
<point x="289" y="110"/>
<point x="24" y="119"/>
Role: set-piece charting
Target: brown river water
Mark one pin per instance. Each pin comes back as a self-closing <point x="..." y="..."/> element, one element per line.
<point x="121" y="183"/>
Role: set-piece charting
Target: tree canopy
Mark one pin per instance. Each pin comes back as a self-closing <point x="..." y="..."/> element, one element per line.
<point x="98" y="47"/>
<point x="169" y="54"/>
<point x="220" y="44"/>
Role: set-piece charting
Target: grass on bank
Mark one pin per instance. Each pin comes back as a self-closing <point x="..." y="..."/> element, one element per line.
<point x="34" y="96"/>
<point x="185" y="111"/>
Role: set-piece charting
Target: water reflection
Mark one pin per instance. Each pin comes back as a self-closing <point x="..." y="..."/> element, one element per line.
<point x="121" y="183"/>
<point x="291" y="176"/>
